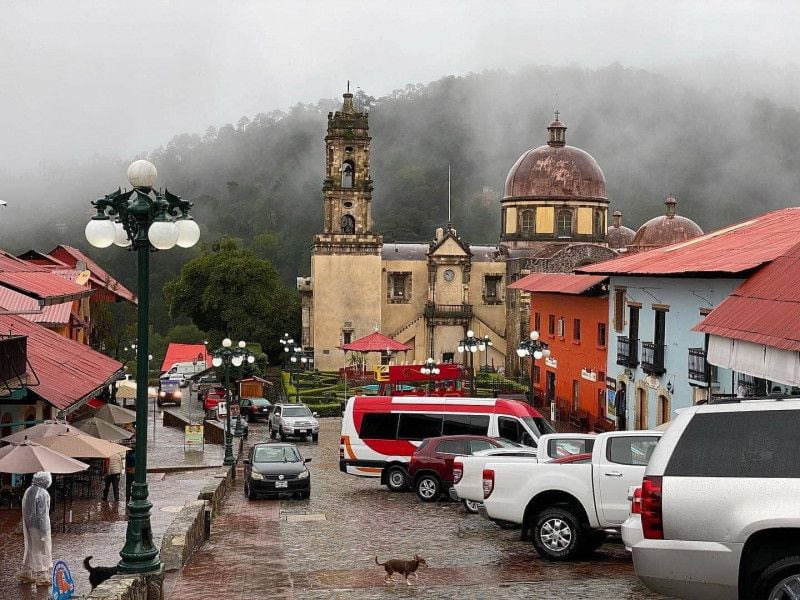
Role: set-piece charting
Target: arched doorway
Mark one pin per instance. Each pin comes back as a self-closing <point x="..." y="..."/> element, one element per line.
<point x="640" y="416"/>
<point x="663" y="409"/>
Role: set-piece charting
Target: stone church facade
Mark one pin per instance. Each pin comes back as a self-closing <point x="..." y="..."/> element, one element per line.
<point x="428" y="295"/>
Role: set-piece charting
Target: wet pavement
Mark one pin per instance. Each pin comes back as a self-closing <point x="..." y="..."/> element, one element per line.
<point x="325" y="547"/>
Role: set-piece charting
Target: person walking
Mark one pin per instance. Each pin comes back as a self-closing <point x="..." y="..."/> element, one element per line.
<point x="37" y="562"/>
<point x="112" y="477"/>
<point x="130" y="469"/>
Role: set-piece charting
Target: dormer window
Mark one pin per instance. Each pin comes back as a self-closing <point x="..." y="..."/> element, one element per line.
<point x="348" y="174"/>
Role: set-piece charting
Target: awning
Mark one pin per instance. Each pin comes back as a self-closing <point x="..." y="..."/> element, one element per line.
<point x="375" y="342"/>
<point x="757" y="360"/>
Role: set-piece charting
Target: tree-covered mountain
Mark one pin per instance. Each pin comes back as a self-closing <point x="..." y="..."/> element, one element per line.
<point x="725" y="157"/>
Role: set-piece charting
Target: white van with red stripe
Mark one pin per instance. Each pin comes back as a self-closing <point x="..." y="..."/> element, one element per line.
<point x="379" y="433"/>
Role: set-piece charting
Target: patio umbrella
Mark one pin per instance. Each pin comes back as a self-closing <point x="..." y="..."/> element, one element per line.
<point x="77" y="444"/>
<point x="103" y="429"/>
<point x="37" y="431"/>
<point x="30" y="457"/>
<point x="116" y="414"/>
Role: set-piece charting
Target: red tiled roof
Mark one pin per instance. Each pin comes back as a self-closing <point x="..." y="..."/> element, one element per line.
<point x="765" y="308"/>
<point x="99" y="276"/>
<point x="67" y="371"/>
<point x="558" y="283"/>
<point x="185" y="353"/>
<point x="735" y="249"/>
<point x="375" y="342"/>
<point x="50" y="316"/>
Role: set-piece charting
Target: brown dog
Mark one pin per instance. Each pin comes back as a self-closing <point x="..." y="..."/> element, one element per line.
<point x="404" y="567"/>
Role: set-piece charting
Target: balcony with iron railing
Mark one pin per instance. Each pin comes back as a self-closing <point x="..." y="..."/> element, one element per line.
<point x="698" y="366"/>
<point x="627" y="355"/>
<point x="13" y="362"/>
<point x="653" y="358"/>
<point x="448" y="311"/>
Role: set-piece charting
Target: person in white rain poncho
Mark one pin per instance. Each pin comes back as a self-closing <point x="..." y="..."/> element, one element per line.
<point x="38" y="559"/>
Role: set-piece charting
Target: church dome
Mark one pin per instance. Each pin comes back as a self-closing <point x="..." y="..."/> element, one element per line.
<point x="667" y="229"/>
<point x="618" y="236"/>
<point x="556" y="171"/>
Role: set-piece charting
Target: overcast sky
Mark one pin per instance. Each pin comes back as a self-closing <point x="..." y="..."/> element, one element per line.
<point x="120" y="77"/>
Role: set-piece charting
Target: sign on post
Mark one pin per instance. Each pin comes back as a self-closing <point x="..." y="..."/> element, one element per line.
<point x="63" y="586"/>
<point x="222" y="409"/>
<point x="193" y="436"/>
<point x="234" y="410"/>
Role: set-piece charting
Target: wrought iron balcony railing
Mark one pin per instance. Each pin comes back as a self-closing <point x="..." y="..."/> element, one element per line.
<point x="653" y="358"/>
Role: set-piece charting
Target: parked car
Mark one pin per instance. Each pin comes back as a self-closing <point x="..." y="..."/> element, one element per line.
<point x="430" y="469"/>
<point x="180" y="378"/>
<point x="203" y="383"/>
<point x="276" y="468"/>
<point x="567" y="509"/>
<point x="468" y="475"/>
<point x="292" y="420"/>
<point x="720" y="515"/>
<point x="255" y="408"/>
<point x="212" y="397"/>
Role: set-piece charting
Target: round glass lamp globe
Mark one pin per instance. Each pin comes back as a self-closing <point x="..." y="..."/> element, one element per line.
<point x="470" y="333"/>
<point x="100" y="233"/>
<point x="481" y="347"/>
<point x="534" y="335"/>
<point x="227" y="342"/>
<point x="120" y="236"/>
<point x="163" y="235"/>
<point x="546" y="352"/>
<point x="251" y="359"/>
<point x="537" y="354"/>
<point x="142" y="174"/>
<point x="293" y="359"/>
<point x="188" y="233"/>
<point x="303" y="360"/>
<point x="216" y="361"/>
<point x="521" y="352"/>
<point x="242" y="344"/>
<point x="460" y="348"/>
<point x="236" y="361"/>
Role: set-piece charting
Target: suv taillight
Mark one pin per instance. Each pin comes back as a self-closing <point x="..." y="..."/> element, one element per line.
<point x="636" y="502"/>
<point x="458" y="471"/>
<point x="652" y="522"/>
<point x="488" y="483"/>
<point x="341" y="447"/>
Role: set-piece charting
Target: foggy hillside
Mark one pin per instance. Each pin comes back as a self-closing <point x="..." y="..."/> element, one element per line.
<point x="724" y="156"/>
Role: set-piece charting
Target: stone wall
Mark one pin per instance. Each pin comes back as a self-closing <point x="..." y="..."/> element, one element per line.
<point x="184" y="535"/>
<point x="213" y="432"/>
<point x="175" y="419"/>
<point x="130" y="587"/>
<point x="214" y="492"/>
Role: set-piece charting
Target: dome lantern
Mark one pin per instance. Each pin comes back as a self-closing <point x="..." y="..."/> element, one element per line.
<point x="556" y="133"/>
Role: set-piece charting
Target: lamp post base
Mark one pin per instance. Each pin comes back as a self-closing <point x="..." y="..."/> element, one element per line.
<point x="239" y="430"/>
<point x="139" y="555"/>
<point x="229" y="459"/>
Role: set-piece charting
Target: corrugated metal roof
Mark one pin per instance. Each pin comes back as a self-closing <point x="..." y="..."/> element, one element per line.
<point x="735" y="249"/>
<point x="185" y="353"/>
<point x="99" y="277"/>
<point x="43" y="285"/>
<point x="67" y="371"/>
<point x="404" y="251"/>
<point x="55" y="315"/>
<point x="765" y="308"/>
<point x="558" y="283"/>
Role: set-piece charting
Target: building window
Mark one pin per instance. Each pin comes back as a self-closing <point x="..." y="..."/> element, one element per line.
<point x="537" y="322"/>
<point x="527" y="220"/>
<point x="348" y="224"/>
<point x="619" y="309"/>
<point x="598" y="223"/>
<point x="398" y="288"/>
<point x="348" y="174"/>
<point x="492" y="289"/>
<point x="564" y="223"/>
<point x="561" y="327"/>
<point x="660" y="327"/>
<point x="551" y="325"/>
<point x="537" y="373"/>
<point x="601" y="335"/>
<point x="347" y="336"/>
<point x="576" y="330"/>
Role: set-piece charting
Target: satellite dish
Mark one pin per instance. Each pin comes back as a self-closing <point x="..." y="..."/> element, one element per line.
<point x="83" y="277"/>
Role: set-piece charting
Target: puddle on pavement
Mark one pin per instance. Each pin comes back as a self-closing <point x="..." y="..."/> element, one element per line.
<point x="304" y="517"/>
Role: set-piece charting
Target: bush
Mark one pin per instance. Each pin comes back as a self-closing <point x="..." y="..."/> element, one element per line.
<point x="326" y="410"/>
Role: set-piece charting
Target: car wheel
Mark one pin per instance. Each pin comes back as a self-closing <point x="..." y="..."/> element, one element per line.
<point x="247" y="491"/>
<point x="315" y="437"/>
<point x="780" y="580"/>
<point x="472" y="506"/>
<point x="305" y="495"/>
<point x="396" y="479"/>
<point x="271" y="433"/>
<point x="282" y="435"/>
<point x="558" y="534"/>
<point x="428" y="488"/>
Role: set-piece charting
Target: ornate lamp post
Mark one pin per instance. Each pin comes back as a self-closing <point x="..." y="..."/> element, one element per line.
<point x="297" y="359"/>
<point x="430" y="368"/>
<point x="471" y="345"/>
<point x="487" y="343"/>
<point x="144" y="220"/>
<point x="228" y="355"/>
<point x="536" y="349"/>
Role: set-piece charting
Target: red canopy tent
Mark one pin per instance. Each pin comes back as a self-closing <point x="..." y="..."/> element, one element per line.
<point x="374" y="342"/>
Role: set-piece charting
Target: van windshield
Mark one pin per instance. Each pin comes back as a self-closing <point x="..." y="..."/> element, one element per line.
<point x="538" y="425"/>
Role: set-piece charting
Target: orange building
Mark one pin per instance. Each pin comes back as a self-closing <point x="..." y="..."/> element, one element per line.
<point x="570" y="312"/>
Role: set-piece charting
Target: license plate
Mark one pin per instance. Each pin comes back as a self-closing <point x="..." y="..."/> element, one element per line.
<point x="304" y="431"/>
<point x="281" y="484"/>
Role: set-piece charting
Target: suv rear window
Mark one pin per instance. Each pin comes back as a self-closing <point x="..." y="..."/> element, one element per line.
<point x="738" y="444"/>
<point x="452" y="447"/>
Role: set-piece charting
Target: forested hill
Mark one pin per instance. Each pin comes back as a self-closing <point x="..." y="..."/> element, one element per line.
<point x="724" y="157"/>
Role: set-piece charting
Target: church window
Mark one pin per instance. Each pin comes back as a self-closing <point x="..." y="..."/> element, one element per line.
<point x="348" y="224"/>
<point x="348" y="174"/>
<point x="348" y="149"/>
<point x="348" y="205"/>
<point x="492" y="289"/>
<point x="598" y="223"/>
<point x="527" y="219"/>
<point x="564" y="223"/>
<point x="398" y="288"/>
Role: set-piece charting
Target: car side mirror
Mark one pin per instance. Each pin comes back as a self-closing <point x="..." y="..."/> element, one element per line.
<point x="315" y="414"/>
<point x="247" y="461"/>
<point x="306" y="460"/>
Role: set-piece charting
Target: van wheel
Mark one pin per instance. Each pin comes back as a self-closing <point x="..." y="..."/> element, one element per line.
<point x="428" y="488"/>
<point x="396" y="479"/>
<point x="780" y="580"/>
<point x="472" y="506"/>
<point x="558" y="534"/>
<point x="315" y="437"/>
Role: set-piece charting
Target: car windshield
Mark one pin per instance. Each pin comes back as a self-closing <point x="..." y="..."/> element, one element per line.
<point x="539" y="425"/>
<point x="259" y="401"/>
<point x="296" y="411"/>
<point x="265" y="454"/>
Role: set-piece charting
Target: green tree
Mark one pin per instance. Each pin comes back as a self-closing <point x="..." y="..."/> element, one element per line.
<point x="113" y="328"/>
<point x="230" y="291"/>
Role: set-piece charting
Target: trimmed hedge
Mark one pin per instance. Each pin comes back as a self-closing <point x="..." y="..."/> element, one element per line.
<point x="326" y="410"/>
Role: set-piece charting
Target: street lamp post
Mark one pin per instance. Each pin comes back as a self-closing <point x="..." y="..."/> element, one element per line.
<point x="430" y="368"/>
<point x="487" y="343"/>
<point x="471" y="345"/>
<point x="227" y="356"/>
<point x="297" y="359"/>
<point x="536" y="349"/>
<point x="143" y="219"/>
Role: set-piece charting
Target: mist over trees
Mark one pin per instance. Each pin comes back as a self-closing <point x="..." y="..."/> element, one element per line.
<point x="724" y="156"/>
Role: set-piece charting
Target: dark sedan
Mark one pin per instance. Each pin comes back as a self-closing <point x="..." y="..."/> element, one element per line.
<point x="255" y="408"/>
<point x="272" y="469"/>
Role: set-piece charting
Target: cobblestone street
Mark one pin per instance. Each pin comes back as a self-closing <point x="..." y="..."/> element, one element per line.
<point x="325" y="547"/>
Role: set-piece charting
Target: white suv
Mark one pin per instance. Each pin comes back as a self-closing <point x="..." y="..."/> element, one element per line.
<point x="721" y="504"/>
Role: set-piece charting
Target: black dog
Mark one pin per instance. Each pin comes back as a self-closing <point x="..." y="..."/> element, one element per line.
<point x="98" y="575"/>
